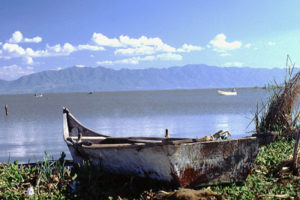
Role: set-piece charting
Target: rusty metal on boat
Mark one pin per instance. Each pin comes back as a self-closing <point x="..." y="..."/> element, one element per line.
<point x="179" y="161"/>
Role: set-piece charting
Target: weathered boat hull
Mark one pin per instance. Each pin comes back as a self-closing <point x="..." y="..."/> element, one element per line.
<point x="177" y="162"/>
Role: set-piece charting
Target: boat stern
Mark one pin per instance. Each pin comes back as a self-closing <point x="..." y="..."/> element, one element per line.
<point x="212" y="163"/>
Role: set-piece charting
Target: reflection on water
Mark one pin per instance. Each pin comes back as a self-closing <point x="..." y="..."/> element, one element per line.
<point x="34" y="125"/>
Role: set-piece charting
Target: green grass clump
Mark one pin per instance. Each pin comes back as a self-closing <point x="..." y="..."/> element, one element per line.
<point x="266" y="181"/>
<point x="50" y="180"/>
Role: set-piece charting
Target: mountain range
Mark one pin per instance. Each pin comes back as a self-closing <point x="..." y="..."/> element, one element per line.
<point x="86" y="79"/>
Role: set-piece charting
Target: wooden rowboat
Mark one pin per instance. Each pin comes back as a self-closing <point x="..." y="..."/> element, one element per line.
<point x="178" y="161"/>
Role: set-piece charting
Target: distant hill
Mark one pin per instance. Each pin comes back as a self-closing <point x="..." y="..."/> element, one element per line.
<point x="75" y="79"/>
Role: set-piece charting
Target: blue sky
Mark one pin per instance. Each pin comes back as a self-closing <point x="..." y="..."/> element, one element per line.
<point x="40" y="35"/>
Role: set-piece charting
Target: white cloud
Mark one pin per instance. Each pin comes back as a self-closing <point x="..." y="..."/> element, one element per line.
<point x="150" y="48"/>
<point x="17" y="37"/>
<point x="220" y="44"/>
<point x="143" y="46"/>
<point x="189" y="48"/>
<point x="169" y="56"/>
<point x="225" y="54"/>
<point x="36" y="39"/>
<point x="80" y="66"/>
<point x="30" y="52"/>
<point x="105" y="62"/>
<point x="12" y="50"/>
<point x="142" y="41"/>
<point x="271" y="43"/>
<point x="144" y="50"/>
<point x="248" y="45"/>
<point x="125" y="40"/>
<point x="13" y="71"/>
<point x="67" y="48"/>
<point x="134" y="46"/>
<point x="165" y="48"/>
<point x="133" y="61"/>
<point x="136" y="60"/>
<point x="102" y="40"/>
<point x="56" y="50"/>
<point x="148" y="58"/>
<point x="90" y="47"/>
<point x="233" y="64"/>
<point x="29" y="60"/>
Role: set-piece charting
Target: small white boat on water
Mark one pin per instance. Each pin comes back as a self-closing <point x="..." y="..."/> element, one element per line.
<point x="38" y="95"/>
<point x="227" y="93"/>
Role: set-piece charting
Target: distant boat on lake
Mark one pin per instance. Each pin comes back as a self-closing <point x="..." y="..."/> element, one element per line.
<point x="227" y="93"/>
<point x="38" y="95"/>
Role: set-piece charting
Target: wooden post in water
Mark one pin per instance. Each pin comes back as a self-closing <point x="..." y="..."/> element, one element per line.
<point x="167" y="133"/>
<point x="6" y="109"/>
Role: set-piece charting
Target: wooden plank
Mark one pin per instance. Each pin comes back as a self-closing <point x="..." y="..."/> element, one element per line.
<point x="113" y="145"/>
<point x="138" y="140"/>
<point x="100" y="139"/>
<point x="204" y="139"/>
<point x="89" y="138"/>
<point x="155" y="138"/>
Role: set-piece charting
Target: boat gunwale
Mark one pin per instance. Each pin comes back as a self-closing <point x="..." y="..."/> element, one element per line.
<point x="134" y="146"/>
<point x="164" y="141"/>
<point x="139" y="145"/>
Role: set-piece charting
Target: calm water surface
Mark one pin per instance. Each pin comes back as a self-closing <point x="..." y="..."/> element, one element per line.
<point x="34" y="125"/>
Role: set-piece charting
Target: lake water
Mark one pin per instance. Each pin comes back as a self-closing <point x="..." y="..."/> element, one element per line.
<point x="34" y="125"/>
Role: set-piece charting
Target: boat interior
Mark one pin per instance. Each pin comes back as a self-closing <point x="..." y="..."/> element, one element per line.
<point x="76" y="133"/>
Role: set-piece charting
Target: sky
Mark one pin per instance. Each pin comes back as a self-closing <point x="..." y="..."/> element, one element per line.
<point x="43" y="35"/>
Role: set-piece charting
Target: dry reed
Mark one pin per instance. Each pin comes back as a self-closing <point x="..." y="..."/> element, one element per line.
<point x="281" y="111"/>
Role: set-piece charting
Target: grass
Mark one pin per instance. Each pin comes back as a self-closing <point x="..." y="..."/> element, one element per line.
<point x="53" y="180"/>
<point x="48" y="180"/>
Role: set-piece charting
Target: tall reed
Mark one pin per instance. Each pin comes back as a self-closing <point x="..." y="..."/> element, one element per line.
<point x="281" y="111"/>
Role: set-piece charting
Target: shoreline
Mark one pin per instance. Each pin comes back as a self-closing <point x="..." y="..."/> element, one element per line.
<point x="138" y="91"/>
